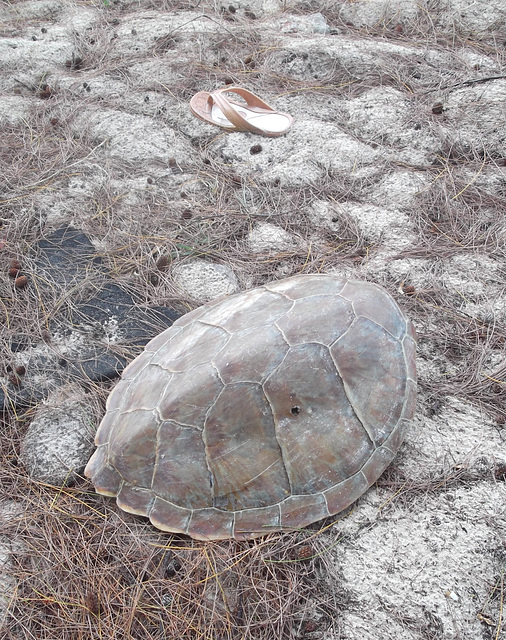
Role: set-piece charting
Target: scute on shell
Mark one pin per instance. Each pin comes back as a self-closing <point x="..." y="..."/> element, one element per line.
<point x="264" y="411"/>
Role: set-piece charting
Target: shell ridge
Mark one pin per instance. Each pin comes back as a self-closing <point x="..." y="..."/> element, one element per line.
<point x="284" y="338"/>
<point x="233" y="523"/>
<point x="211" y="406"/>
<point x="350" y="328"/>
<point x="203" y="434"/>
<point x="177" y="331"/>
<point x="261" y="472"/>
<point x="381" y="290"/>
<point x="120" y="484"/>
<point x="276" y="424"/>
<point x="362" y="283"/>
<point x="181" y="424"/>
<point x="215" y="325"/>
<point x="275" y="462"/>
<point x="378" y="324"/>
<point x="277" y="367"/>
<point x="366" y="430"/>
<point x="281" y="294"/>
<point x="112" y="396"/>
<point x="398" y="340"/>
<point x="155" y="409"/>
<point x="407" y="401"/>
<point x="119" y="474"/>
<point x="126" y="373"/>
<point x="194" y="426"/>
<point x="160" y="366"/>
<point x="151" y="504"/>
<point x="175" y="362"/>
<point x="343" y="482"/>
<point x="326" y="501"/>
<point x="218" y="374"/>
<point x="219" y="350"/>
<point x="316" y="276"/>
<point x="361" y="420"/>
<point x="206" y="457"/>
<point x="389" y="449"/>
<point x="406" y="339"/>
<point x="157" y="447"/>
<point x="188" y="525"/>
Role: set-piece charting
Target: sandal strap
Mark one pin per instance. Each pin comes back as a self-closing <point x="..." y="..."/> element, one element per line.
<point x="251" y="99"/>
<point x="231" y="113"/>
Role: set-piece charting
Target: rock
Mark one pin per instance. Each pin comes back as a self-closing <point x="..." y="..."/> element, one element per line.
<point x="204" y="281"/>
<point x="312" y="23"/>
<point x="90" y="340"/>
<point x="64" y="255"/>
<point x="373" y="12"/>
<point x="269" y="237"/>
<point x="381" y="225"/>
<point x="300" y="158"/>
<point x="59" y="440"/>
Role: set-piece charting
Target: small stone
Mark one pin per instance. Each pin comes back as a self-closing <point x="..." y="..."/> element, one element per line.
<point x="15" y="264"/>
<point x="162" y="263"/>
<point x="319" y="22"/>
<point x="14" y="380"/>
<point x="21" y="282"/>
<point x="46" y="92"/>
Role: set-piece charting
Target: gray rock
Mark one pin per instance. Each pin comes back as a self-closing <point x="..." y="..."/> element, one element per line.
<point x="312" y="23"/>
<point x="59" y="440"/>
<point x="204" y="281"/>
<point x="269" y="237"/>
<point x="64" y="255"/>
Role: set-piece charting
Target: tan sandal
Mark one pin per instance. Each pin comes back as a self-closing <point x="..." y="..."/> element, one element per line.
<point x="254" y="115"/>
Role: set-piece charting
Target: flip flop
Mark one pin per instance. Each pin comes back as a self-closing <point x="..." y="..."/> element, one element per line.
<point x="255" y="115"/>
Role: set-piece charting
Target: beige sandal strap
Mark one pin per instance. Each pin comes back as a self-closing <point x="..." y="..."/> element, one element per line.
<point x="252" y="101"/>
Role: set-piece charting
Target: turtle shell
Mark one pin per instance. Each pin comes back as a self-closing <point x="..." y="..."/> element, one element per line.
<point x="264" y="411"/>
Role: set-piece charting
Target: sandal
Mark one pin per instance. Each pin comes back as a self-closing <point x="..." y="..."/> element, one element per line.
<point x="254" y="115"/>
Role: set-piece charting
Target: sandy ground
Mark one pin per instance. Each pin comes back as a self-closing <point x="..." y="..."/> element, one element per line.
<point x="394" y="171"/>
